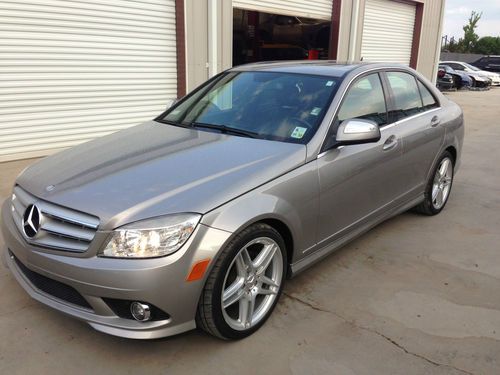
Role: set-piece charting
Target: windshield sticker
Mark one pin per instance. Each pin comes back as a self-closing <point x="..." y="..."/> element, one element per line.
<point x="315" y="111"/>
<point x="329" y="83"/>
<point x="298" y="132"/>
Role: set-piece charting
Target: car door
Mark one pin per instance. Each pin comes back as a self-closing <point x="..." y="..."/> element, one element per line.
<point x="418" y="116"/>
<point x="359" y="182"/>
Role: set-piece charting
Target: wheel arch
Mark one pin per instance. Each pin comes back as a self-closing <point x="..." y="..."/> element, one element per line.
<point x="453" y="151"/>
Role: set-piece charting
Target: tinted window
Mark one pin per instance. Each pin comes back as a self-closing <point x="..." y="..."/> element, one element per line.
<point x="407" y="101"/>
<point x="494" y="60"/>
<point x="456" y="66"/>
<point x="280" y="106"/>
<point x="427" y="98"/>
<point x="365" y="100"/>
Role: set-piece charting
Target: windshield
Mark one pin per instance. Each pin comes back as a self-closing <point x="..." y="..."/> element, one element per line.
<point x="278" y="106"/>
<point x="471" y="67"/>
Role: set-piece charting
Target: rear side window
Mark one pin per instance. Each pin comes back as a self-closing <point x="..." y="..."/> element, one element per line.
<point x="407" y="100"/>
<point x="456" y="66"/>
<point x="365" y="100"/>
<point x="427" y="98"/>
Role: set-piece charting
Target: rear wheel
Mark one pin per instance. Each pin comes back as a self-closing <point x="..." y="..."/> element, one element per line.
<point x="244" y="285"/>
<point x="438" y="187"/>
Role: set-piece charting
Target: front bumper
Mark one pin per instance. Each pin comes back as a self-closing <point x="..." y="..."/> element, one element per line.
<point x="159" y="282"/>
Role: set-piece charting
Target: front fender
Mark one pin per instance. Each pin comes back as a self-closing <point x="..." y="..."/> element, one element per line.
<point x="292" y="199"/>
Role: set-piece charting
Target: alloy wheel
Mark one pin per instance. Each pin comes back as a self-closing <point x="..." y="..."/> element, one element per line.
<point x="252" y="283"/>
<point x="442" y="183"/>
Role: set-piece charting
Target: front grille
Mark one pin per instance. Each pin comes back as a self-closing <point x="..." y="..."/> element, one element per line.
<point x="52" y="287"/>
<point x="60" y="228"/>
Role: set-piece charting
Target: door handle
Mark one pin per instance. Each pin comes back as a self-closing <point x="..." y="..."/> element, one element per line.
<point x="390" y="143"/>
<point x="435" y="121"/>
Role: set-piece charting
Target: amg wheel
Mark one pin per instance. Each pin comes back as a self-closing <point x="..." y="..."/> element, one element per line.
<point x="438" y="187"/>
<point x="244" y="285"/>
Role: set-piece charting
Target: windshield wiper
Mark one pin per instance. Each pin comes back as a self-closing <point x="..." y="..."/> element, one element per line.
<point x="169" y="122"/>
<point x="226" y="129"/>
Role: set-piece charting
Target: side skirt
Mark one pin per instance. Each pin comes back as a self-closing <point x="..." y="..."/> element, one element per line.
<point x="319" y="254"/>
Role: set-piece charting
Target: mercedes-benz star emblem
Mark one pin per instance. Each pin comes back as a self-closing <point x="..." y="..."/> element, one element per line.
<point x="31" y="221"/>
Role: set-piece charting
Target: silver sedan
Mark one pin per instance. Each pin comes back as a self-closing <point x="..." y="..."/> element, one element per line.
<point x="197" y="218"/>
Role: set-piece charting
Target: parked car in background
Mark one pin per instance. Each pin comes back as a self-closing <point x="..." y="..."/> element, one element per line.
<point x="460" y="79"/>
<point x="197" y="219"/>
<point x="473" y="71"/>
<point x="489" y="63"/>
<point x="444" y="80"/>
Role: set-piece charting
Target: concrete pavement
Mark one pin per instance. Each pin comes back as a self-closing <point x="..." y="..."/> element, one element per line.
<point x="416" y="295"/>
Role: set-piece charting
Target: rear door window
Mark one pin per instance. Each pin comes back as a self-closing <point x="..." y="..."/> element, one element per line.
<point x="427" y="98"/>
<point x="406" y="95"/>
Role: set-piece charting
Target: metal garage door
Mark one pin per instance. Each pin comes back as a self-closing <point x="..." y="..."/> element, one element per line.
<point x="72" y="70"/>
<point x="388" y="31"/>
<point x="313" y="9"/>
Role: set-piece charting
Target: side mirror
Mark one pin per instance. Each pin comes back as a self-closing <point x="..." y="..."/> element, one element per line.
<point x="357" y="131"/>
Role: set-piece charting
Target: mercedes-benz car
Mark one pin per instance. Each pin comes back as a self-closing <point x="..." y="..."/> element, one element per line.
<point x="197" y="218"/>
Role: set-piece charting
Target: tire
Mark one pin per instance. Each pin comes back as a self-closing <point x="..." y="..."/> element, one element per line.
<point x="439" y="184"/>
<point x="240" y="275"/>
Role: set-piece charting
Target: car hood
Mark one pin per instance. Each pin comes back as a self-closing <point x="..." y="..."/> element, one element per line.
<point x="155" y="169"/>
<point x="478" y="76"/>
<point x="491" y="75"/>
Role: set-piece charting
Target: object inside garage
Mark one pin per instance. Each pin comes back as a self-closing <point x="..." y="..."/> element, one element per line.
<point x="260" y="36"/>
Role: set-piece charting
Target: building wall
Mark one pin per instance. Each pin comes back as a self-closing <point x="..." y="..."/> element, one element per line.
<point x="430" y="40"/>
<point x="206" y="56"/>
<point x="351" y="33"/>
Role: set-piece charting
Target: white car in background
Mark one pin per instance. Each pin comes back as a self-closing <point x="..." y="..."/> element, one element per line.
<point x="463" y="66"/>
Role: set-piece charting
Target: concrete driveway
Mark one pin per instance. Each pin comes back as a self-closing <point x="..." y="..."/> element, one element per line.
<point x="416" y="295"/>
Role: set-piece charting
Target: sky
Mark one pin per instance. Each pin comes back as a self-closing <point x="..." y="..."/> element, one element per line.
<point x="458" y="11"/>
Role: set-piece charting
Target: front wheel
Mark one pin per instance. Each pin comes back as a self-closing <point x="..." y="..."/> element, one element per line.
<point x="438" y="187"/>
<point x="244" y="284"/>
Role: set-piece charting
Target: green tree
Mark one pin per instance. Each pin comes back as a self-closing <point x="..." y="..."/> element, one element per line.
<point x="488" y="45"/>
<point x="470" y="39"/>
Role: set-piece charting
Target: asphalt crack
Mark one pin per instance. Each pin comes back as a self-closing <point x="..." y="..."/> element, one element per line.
<point x="371" y="330"/>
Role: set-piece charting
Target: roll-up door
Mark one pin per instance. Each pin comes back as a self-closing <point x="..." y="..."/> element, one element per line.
<point x="312" y="9"/>
<point x="73" y="70"/>
<point x="388" y="31"/>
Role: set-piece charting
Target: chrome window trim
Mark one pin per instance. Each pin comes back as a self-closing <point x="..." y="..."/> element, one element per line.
<point x="383" y="127"/>
<point x="388" y="126"/>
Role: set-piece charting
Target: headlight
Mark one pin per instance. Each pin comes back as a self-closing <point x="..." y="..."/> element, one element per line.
<point x="151" y="238"/>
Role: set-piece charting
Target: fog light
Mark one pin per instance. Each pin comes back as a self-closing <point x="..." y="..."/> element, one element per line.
<point x="140" y="311"/>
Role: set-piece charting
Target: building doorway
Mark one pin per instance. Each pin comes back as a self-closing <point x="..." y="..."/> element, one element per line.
<point x="259" y="36"/>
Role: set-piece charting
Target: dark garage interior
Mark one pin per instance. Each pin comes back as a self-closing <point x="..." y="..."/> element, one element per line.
<point x="259" y="36"/>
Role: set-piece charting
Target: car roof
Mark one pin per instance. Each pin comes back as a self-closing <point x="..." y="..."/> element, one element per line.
<point x="330" y="68"/>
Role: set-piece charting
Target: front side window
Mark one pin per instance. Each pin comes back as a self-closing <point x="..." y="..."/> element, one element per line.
<point x="407" y="100"/>
<point x="365" y="100"/>
<point x="271" y="105"/>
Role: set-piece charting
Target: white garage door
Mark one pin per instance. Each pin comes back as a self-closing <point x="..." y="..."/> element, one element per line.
<point x="71" y="70"/>
<point x="388" y="31"/>
<point x="313" y="9"/>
